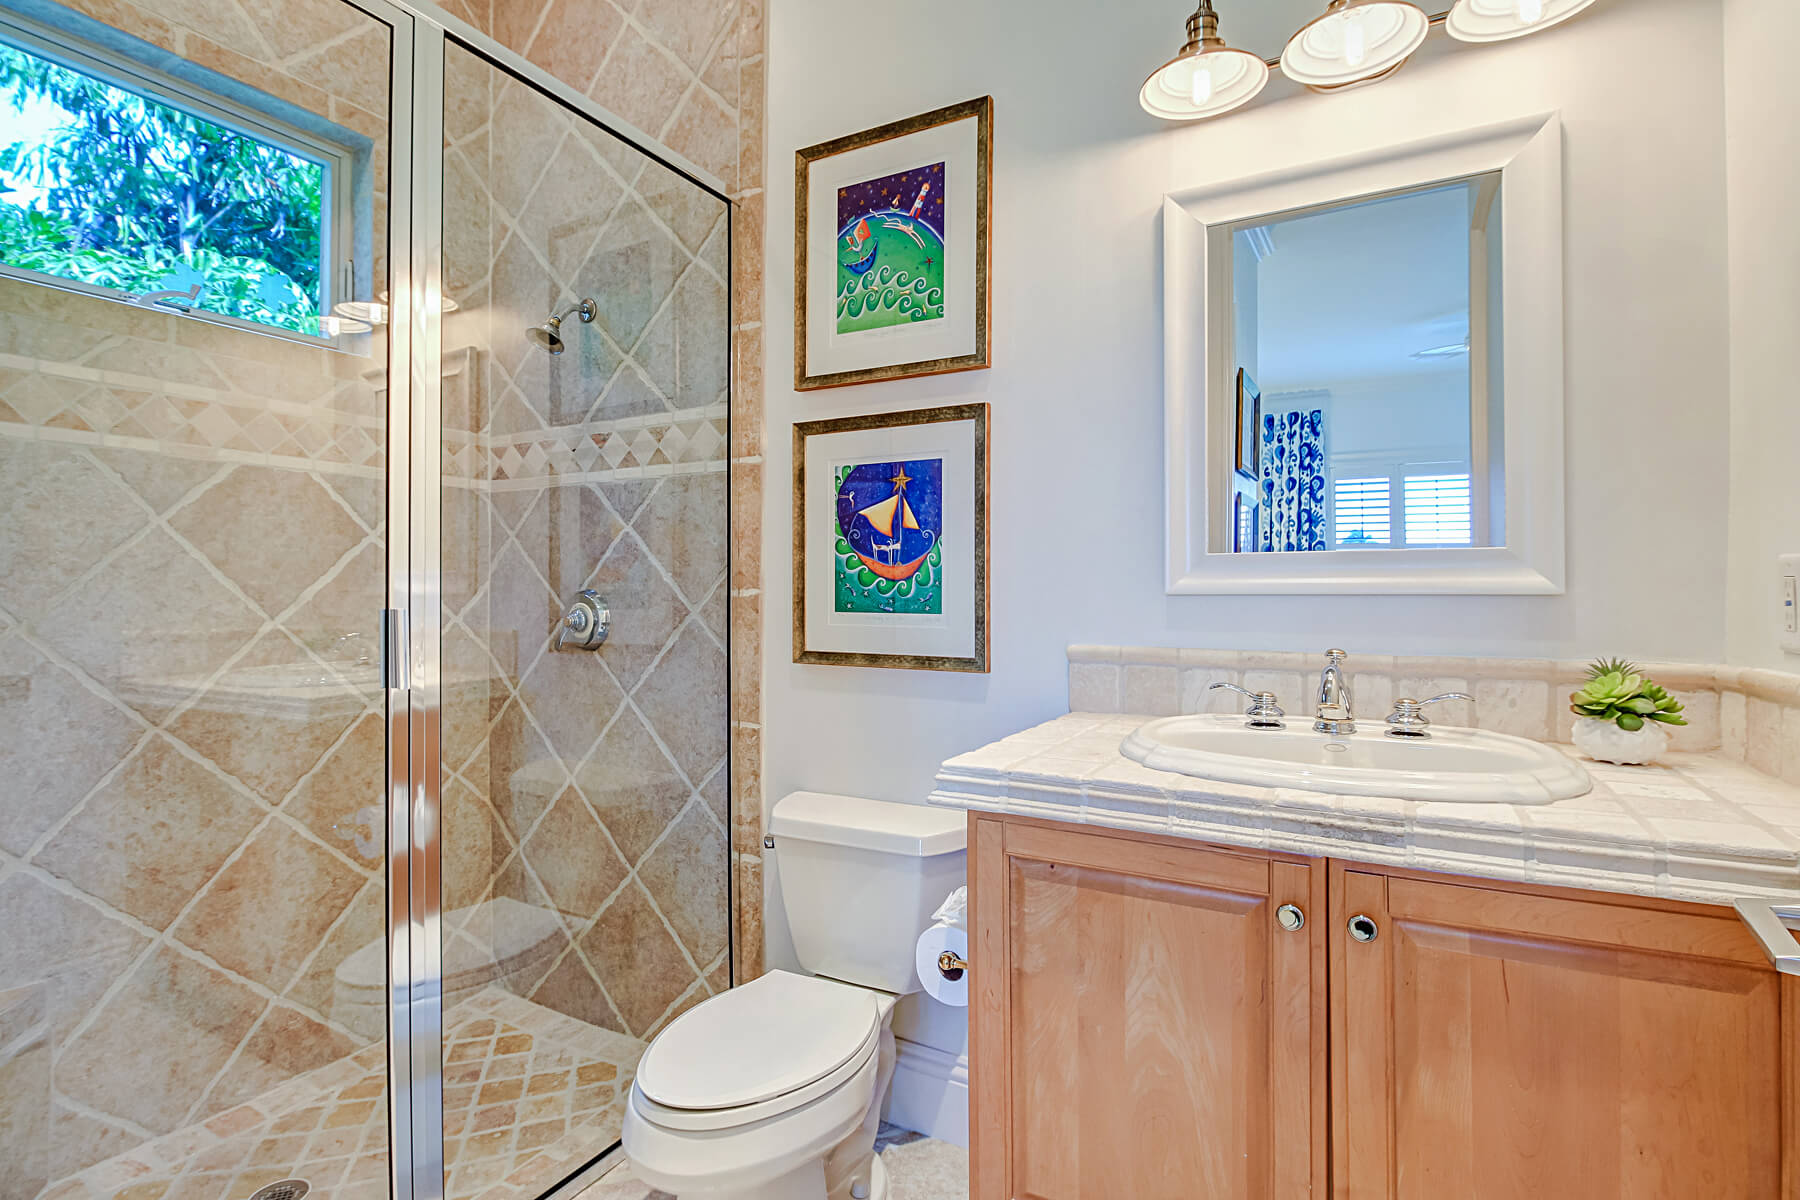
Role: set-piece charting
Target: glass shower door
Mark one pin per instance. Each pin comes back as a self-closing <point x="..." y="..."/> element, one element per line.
<point x="193" y="557"/>
<point x="584" y="844"/>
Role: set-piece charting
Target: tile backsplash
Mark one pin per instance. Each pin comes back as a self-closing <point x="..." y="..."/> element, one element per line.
<point x="1749" y="715"/>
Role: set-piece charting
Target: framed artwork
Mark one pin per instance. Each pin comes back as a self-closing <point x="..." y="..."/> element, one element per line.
<point x="891" y="540"/>
<point x="1249" y="425"/>
<point x="891" y="249"/>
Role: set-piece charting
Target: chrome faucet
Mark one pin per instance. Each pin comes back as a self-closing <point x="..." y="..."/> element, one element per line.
<point x="1263" y="713"/>
<point x="1336" y="714"/>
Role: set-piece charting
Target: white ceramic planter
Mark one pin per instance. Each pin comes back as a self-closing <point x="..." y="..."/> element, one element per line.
<point x="1604" y="741"/>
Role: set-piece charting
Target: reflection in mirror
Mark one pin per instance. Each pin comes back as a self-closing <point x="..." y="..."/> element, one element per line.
<point x="1365" y="375"/>
<point x="1263" y="27"/>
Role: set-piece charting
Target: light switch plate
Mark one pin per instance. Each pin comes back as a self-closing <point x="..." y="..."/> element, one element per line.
<point x="1787" y="599"/>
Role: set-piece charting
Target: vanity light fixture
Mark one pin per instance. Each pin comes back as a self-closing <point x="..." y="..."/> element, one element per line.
<point x="1207" y="78"/>
<point x="1355" y="41"/>
<point x="1497" y="20"/>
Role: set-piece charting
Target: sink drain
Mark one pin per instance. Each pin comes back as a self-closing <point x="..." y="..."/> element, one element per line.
<point x="282" y="1189"/>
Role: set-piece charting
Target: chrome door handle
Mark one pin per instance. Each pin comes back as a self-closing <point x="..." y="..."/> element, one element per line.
<point x="1769" y="922"/>
<point x="1363" y="928"/>
<point x="1290" y="918"/>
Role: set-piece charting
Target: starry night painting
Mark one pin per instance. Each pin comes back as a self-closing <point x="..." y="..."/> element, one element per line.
<point x="890" y="516"/>
<point x="891" y="250"/>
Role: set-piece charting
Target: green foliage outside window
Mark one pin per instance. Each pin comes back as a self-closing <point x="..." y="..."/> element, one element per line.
<point x="122" y="191"/>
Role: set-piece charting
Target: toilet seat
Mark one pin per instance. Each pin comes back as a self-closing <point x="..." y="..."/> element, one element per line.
<point x="806" y="1037"/>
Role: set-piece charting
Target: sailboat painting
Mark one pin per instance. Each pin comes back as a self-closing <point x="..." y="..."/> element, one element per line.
<point x="889" y="545"/>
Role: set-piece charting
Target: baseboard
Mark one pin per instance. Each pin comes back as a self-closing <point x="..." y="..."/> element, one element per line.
<point x="930" y="1092"/>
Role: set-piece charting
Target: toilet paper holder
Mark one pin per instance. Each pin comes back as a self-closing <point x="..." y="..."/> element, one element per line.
<point x="951" y="967"/>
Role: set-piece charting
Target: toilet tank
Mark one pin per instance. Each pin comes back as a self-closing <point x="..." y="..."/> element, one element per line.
<point x="860" y="880"/>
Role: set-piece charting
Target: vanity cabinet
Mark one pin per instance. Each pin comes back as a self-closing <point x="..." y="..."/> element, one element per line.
<point x="1143" y="1024"/>
<point x="1501" y="1042"/>
<point x="1155" y="1032"/>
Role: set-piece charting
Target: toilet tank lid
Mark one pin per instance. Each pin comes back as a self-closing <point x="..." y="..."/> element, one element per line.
<point x="911" y="829"/>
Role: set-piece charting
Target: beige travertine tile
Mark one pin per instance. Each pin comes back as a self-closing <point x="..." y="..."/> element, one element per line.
<point x="121" y="1062"/>
<point x="686" y="877"/>
<point x="572" y="696"/>
<point x="632" y="785"/>
<point x="63" y="514"/>
<point x="1150" y="689"/>
<point x="57" y="739"/>
<point x="152" y="835"/>
<point x="646" y="610"/>
<point x="641" y="82"/>
<point x="644" y="969"/>
<point x="24" y="1092"/>
<point x="1763" y="736"/>
<point x="571" y="855"/>
<point x="574" y="38"/>
<point x="684" y="699"/>
<point x="271" y="905"/>
<point x="1520" y="707"/>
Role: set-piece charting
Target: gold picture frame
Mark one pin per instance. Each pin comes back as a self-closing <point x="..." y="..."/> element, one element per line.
<point x="887" y="439"/>
<point x="870" y="355"/>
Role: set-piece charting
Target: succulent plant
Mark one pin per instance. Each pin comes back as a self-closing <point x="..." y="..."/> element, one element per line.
<point x="1618" y="691"/>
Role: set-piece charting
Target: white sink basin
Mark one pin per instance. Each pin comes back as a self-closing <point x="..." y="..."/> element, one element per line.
<point x="1471" y="765"/>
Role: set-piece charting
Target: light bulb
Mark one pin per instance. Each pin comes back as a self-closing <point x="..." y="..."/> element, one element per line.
<point x="1355" y="46"/>
<point x="1203" y="86"/>
<point x="1531" y="11"/>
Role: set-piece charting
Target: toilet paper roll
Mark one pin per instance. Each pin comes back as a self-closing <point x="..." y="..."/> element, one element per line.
<point x="933" y="942"/>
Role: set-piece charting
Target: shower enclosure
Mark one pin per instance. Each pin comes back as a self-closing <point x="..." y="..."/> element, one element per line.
<point x="351" y="371"/>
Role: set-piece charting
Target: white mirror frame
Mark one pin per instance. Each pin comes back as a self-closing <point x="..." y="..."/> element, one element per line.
<point x="1528" y="154"/>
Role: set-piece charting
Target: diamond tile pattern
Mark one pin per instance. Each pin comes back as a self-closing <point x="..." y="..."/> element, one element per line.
<point x="529" y="1096"/>
<point x="589" y="471"/>
<point x="190" y="735"/>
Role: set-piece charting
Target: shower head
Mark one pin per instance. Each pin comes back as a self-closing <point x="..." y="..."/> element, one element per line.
<point x="549" y="334"/>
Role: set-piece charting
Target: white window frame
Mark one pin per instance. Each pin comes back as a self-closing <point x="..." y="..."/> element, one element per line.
<point x="337" y="222"/>
<point x="1198" y="406"/>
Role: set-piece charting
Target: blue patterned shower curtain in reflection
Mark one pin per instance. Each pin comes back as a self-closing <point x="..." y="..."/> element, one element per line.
<point x="1293" y="480"/>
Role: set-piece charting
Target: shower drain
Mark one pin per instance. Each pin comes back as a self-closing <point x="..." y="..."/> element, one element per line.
<point x="282" y="1189"/>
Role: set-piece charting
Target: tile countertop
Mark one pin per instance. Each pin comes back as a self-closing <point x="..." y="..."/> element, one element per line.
<point x="1698" y="827"/>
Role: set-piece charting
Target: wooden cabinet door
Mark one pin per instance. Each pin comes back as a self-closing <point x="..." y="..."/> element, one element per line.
<point x="1141" y="1026"/>
<point x="1492" y="1044"/>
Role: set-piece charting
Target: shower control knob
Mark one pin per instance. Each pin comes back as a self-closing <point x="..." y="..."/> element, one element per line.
<point x="586" y="624"/>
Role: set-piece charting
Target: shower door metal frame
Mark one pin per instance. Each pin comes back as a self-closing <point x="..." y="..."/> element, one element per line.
<point x="415" y="560"/>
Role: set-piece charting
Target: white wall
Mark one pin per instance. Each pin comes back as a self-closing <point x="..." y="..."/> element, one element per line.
<point x="1762" y="97"/>
<point x="1079" y="173"/>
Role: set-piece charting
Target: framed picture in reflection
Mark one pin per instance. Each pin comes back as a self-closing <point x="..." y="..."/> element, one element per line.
<point x="890" y="540"/>
<point x="1249" y="426"/>
<point x="891" y="249"/>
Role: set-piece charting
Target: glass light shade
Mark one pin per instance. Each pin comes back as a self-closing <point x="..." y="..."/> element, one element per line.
<point x="1497" y="20"/>
<point x="1204" y="84"/>
<point x="1355" y="40"/>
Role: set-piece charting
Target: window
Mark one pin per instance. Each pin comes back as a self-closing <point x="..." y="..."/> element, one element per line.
<point x="1436" y="509"/>
<point x="1361" y="512"/>
<point x="1413" y="504"/>
<point x="128" y="185"/>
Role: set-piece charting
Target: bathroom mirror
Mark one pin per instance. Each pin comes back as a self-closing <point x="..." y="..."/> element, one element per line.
<point x="1365" y="391"/>
<point x="1363" y="371"/>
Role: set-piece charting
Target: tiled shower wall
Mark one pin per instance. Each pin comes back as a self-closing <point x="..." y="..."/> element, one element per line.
<point x="691" y="73"/>
<point x="192" y="525"/>
<point x="586" y="785"/>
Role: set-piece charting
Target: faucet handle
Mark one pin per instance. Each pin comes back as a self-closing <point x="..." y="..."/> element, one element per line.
<point x="1263" y="713"/>
<point x="1408" y="721"/>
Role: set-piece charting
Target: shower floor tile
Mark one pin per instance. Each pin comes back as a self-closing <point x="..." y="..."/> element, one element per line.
<point x="530" y="1095"/>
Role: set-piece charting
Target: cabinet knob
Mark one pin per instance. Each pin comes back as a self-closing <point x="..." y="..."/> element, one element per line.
<point x="1363" y="928"/>
<point x="1290" y="917"/>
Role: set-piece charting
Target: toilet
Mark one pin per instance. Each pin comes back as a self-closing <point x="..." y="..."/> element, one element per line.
<point x="773" y="1090"/>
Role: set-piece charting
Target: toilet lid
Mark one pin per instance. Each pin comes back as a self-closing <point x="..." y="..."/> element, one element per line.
<point x="769" y="1037"/>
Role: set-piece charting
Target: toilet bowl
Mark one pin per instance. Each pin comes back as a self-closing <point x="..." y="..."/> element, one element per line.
<point x="774" y="1090"/>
